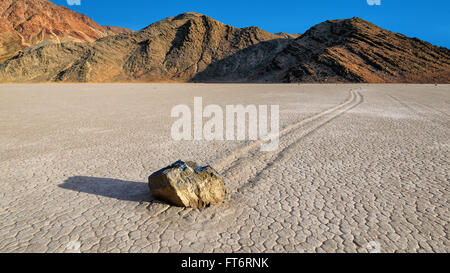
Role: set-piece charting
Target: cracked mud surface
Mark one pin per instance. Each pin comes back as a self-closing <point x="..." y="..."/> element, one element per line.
<point x="356" y="164"/>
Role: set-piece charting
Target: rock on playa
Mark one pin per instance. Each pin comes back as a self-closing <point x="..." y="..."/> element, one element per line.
<point x="185" y="184"/>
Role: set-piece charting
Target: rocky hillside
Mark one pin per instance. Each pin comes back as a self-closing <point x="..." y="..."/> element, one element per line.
<point x="174" y="49"/>
<point x="26" y="23"/>
<point x="350" y="50"/>
<point x="194" y="47"/>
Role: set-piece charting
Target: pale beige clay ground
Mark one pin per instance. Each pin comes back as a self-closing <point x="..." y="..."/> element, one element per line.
<point x="356" y="164"/>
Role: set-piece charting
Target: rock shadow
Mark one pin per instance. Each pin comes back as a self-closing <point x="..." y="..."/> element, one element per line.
<point x="108" y="187"/>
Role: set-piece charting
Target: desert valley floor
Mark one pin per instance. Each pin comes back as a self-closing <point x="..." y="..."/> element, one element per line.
<point x="359" y="167"/>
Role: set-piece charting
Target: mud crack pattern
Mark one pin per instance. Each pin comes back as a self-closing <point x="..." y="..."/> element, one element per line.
<point x="357" y="164"/>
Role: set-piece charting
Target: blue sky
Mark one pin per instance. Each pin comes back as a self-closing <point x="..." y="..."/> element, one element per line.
<point x="425" y="19"/>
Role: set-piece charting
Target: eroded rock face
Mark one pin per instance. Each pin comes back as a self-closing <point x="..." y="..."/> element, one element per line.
<point x="34" y="23"/>
<point x="185" y="184"/>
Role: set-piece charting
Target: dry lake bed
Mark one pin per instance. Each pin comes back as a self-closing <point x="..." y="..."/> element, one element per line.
<point x="359" y="168"/>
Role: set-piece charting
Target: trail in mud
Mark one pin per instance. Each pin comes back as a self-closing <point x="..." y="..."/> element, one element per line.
<point x="246" y="166"/>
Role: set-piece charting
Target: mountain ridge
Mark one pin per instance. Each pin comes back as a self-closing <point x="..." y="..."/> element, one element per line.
<point x="173" y="49"/>
<point x="193" y="47"/>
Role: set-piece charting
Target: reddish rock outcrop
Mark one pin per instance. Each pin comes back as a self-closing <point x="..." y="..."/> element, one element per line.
<point x="25" y="23"/>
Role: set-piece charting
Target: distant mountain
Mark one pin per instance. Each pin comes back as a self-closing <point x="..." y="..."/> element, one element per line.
<point x="350" y="50"/>
<point x="26" y="23"/>
<point x="194" y="47"/>
<point x="354" y="50"/>
<point x="288" y="35"/>
<point x="118" y="30"/>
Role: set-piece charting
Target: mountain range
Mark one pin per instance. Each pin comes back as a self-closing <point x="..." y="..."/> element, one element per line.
<point x="44" y="42"/>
